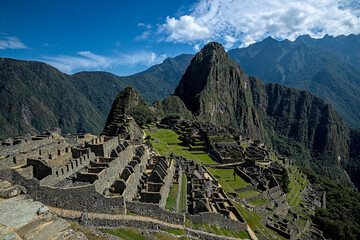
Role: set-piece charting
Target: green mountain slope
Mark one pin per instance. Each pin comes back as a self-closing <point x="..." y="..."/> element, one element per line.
<point x="296" y="123"/>
<point x="157" y="82"/>
<point x="326" y="67"/>
<point x="36" y="96"/>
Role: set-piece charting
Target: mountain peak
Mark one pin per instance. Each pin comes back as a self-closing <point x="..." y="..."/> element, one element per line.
<point x="214" y="88"/>
<point x="201" y="71"/>
<point x="213" y="47"/>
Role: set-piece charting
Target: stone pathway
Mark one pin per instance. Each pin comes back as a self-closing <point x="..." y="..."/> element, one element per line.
<point x="130" y="220"/>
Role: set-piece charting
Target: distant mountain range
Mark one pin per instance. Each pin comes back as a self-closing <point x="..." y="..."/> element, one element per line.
<point x="36" y="96"/>
<point x="327" y="67"/>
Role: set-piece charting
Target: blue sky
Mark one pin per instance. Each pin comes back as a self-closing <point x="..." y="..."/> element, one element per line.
<point x="125" y="37"/>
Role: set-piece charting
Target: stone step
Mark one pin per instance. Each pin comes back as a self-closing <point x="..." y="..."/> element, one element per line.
<point x="23" y="218"/>
<point x="45" y="227"/>
<point x="75" y="236"/>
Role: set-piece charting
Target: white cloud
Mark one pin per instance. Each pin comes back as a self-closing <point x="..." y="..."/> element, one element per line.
<point x="196" y="47"/>
<point x="245" y="22"/>
<point x="186" y="29"/>
<point x="86" y="60"/>
<point x="145" y="35"/>
<point x="11" y="43"/>
<point x="147" y="26"/>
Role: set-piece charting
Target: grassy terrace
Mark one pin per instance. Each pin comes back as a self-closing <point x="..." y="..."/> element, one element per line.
<point x="253" y="220"/>
<point x="171" y="200"/>
<point x="167" y="141"/>
<point x="298" y="183"/>
<point x="182" y="204"/>
<point x="162" y="138"/>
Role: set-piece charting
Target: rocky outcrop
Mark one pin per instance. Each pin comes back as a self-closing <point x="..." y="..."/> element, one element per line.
<point x="215" y="89"/>
<point x="23" y="218"/>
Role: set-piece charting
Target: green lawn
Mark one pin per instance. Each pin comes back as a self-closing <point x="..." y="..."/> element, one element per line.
<point x="226" y="179"/>
<point x="165" y="136"/>
<point x="171" y="200"/>
<point x="248" y="194"/>
<point x="259" y="202"/>
<point x="243" y="235"/>
<point x="183" y="199"/>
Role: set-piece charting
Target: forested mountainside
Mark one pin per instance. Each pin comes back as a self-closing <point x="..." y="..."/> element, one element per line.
<point x="327" y="67"/>
<point x="37" y="96"/>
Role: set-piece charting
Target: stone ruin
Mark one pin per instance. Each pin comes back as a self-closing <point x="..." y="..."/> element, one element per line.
<point x="206" y="200"/>
<point x="116" y="174"/>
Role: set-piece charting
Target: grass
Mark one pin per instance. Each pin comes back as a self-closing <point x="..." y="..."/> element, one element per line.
<point x="253" y="220"/>
<point x="216" y="230"/>
<point x="176" y="232"/>
<point x="164" y="236"/>
<point x="204" y="226"/>
<point x="165" y="136"/>
<point x="248" y="194"/>
<point x="126" y="233"/>
<point x="224" y="176"/>
<point x="171" y="200"/>
<point x="88" y="233"/>
<point x="225" y="232"/>
<point x="131" y="213"/>
<point x="226" y="179"/>
<point x="259" y="202"/>
<point x="183" y="196"/>
<point x="243" y="235"/>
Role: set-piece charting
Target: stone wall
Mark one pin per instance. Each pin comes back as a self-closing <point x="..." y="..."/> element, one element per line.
<point x="217" y="219"/>
<point x="25" y="145"/>
<point x="84" y="198"/>
<point x="19" y="153"/>
<point x="73" y="166"/>
<point x="154" y="211"/>
<point x="164" y="192"/>
<point x="103" y="145"/>
<point x="116" y="166"/>
<point x="133" y="180"/>
<point x="205" y="236"/>
<point x="243" y="175"/>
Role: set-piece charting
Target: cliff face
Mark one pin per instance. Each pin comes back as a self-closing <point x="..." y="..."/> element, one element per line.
<point x="296" y="123"/>
<point x="215" y="89"/>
